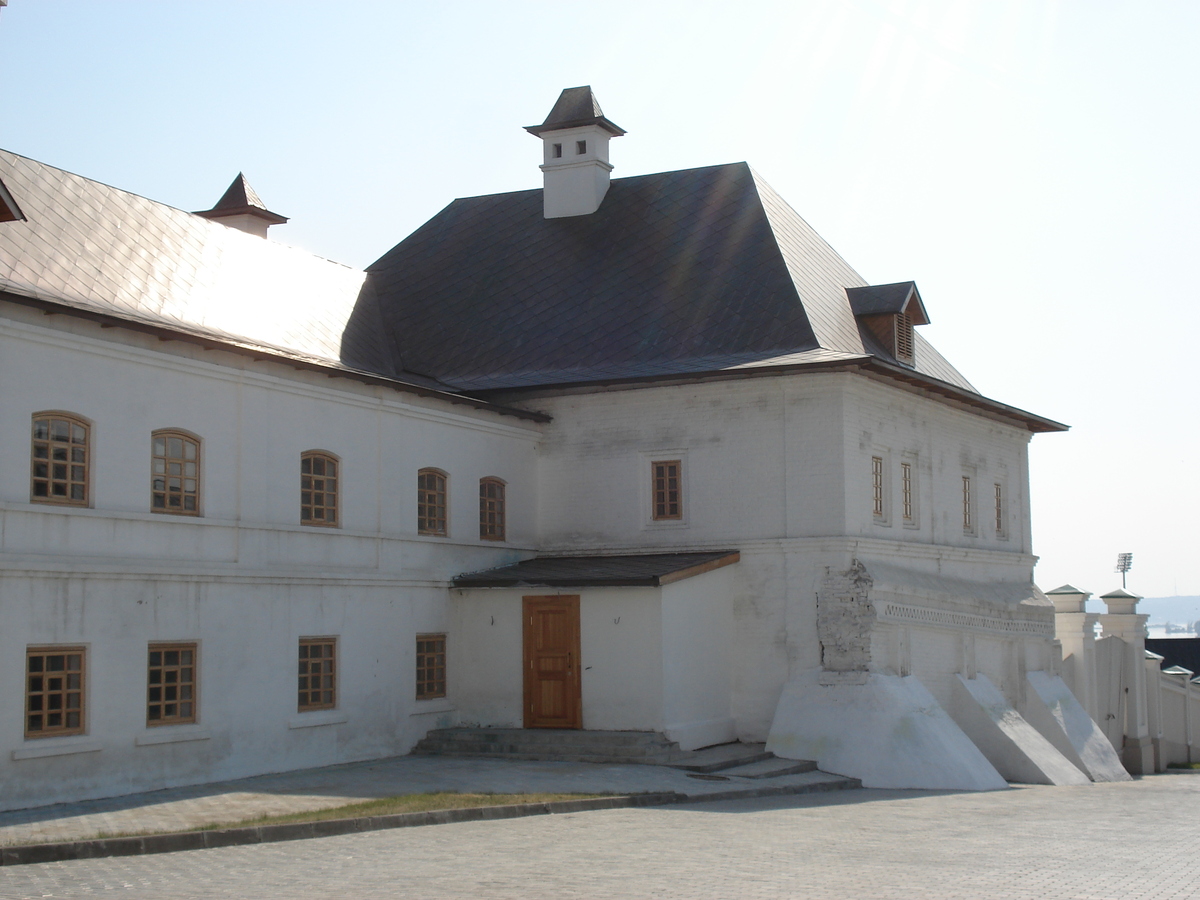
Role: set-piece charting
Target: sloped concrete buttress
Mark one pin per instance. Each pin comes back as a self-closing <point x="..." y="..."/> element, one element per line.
<point x="1012" y="745"/>
<point x="1052" y="709"/>
<point x="888" y="731"/>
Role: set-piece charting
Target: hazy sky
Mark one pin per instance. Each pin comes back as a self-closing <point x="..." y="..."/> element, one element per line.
<point x="1032" y="166"/>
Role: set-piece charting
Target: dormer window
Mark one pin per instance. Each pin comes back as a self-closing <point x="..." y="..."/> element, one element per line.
<point x="558" y="151"/>
<point x="580" y="148"/>
<point x="886" y="314"/>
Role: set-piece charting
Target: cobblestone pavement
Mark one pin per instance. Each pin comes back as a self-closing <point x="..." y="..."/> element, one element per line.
<point x="1094" y="842"/>
<point x="179" y="809"/>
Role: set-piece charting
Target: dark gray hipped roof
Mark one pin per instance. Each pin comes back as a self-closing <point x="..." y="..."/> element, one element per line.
<point x="650" y="570"/>
<point x="693" y="271"/>
<point x="575" y="107"/>
<point x="239" y="197"/>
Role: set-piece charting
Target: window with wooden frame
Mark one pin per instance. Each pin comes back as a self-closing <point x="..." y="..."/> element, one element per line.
<point x="318" y="674"/>
<point x="491" y="509"/>
<point x="877" y="496"/>
<point x="61" y="459"/>
<point x="431" y="666"/>
<point x="666" y="489"/>
<point x="968" y="519"/>
<point x="906" y="492"/>
<point x="54" y="691"/>
<point x="1001" y="531"/>
<point x="175" y="473"/>
<point x="171" y="684"/>
<point x="431" y="502"/>
<point x="318" y="488"/>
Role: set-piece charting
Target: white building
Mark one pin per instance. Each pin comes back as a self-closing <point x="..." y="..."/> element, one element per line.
<point x="643" y="454"/>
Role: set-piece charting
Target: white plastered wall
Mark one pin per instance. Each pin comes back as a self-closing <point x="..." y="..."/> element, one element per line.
<point x="245" y="580"/>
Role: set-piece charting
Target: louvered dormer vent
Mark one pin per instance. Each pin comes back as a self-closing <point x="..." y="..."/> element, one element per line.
<point x="888" y="313"/>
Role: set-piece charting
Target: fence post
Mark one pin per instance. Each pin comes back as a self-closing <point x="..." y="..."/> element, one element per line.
<point x="1123" y="621"/>
<point x="1075" y="629"/>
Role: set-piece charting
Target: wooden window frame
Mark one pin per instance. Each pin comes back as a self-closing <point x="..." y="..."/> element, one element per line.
<point x="72" y="449"/>
<point x="907" y="509"/>
<point x="328" y="675"/>
<point x="431" y="666"/>
<point x="968" y="513"/>
<point x="1000" y="499"/>
<point x="314" y="485"/>
<point x="662" y="507"/>
<point x="878" y="495"/>
<point x="186" y="681"/>
<point x="166" y="435"/>
<point x="38" y="697"/>
<point x="433" y="503"/>
<point x="493" y="509"/>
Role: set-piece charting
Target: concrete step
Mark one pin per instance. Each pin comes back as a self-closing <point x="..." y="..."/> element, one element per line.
<point x="720" y="757"/>
<point x="771" y="768"/>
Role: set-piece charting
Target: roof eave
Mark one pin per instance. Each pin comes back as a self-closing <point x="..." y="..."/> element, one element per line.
<point x="259" y="352"/>
<point x="603" y="121"/>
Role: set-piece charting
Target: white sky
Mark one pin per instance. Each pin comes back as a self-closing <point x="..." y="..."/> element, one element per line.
<point x="1031" y="165"/>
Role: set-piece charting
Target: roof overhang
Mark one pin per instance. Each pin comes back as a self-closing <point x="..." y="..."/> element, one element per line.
<point x="258" y="212"/>
<point x="901" y="297"/>
<point x="300" y="362"/>
<point x="870" y="366"/>
<point x="624" y="570"/>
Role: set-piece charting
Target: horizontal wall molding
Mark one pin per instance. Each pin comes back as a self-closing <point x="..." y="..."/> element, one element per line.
<point x="41" y="751"/>
<point x="944" y="618"/>
<point x="172" y="736"/>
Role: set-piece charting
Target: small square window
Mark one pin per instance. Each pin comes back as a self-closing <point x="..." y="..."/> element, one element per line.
<point x="556" y="151"/>
<point x="318" y="674"/>
<point x="171" y="684"/>
<point x="54" y="691"/>
<point x="431" y="666"/>
<point x="580" y="147"/>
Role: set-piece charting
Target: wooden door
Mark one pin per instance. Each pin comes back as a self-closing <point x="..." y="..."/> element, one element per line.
<point x="552" y="686"/>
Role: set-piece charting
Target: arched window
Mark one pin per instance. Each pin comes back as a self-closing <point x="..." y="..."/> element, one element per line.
<point x="491" y="509"/>
<point x="61" y="459"/>
<point x="318" y="488"/>
<point x="175" y="473"/>
<point x="431" y="502"/>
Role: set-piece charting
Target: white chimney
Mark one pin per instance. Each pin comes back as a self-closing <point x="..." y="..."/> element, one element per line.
<point x="575" y="164"/>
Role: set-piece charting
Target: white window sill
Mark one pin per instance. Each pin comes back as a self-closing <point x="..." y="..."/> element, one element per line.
<point x="41" y="750"/>
<point x="168" y="735"/>
<point x="428" y="707"/>
<point x="315" y="719"/>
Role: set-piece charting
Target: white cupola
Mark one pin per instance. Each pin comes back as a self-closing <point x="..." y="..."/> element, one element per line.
<point x="575" y="164"/>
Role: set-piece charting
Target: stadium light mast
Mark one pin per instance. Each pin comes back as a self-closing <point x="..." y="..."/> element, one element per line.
<point x="1124" y="564"/>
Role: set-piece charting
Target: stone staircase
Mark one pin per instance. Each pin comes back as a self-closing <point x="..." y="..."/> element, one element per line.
<point x="643" y="747"/>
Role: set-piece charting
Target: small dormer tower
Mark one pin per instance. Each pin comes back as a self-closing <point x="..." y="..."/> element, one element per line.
<point x="575" y="166"/>
<point x="241" y="208"/>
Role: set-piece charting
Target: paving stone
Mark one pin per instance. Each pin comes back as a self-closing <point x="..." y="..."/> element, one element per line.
<point x="1090" y="842"/>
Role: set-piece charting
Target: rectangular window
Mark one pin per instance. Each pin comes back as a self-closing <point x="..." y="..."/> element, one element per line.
<point x="318" y="489"/>
<point x="667" y="495"/>
<point x="877" y="486"/>
<point x="60" y="460"/>
<point x="904" y="337"/>
<point x="431" y="666"/>
<point x="431" y="502"/>
<point x="491" y="509"/>
<point x="175" y="474"/>
<point x="318" y="674"/>
<point x="906" y="490"/>
<point x="171" y="684"/>
<point x="967" y="518"/>
<point x="557" y="151"/>
<point x="999" y="510"/>
<point x="581" y="147"/>
<point x="54" y="691"/>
